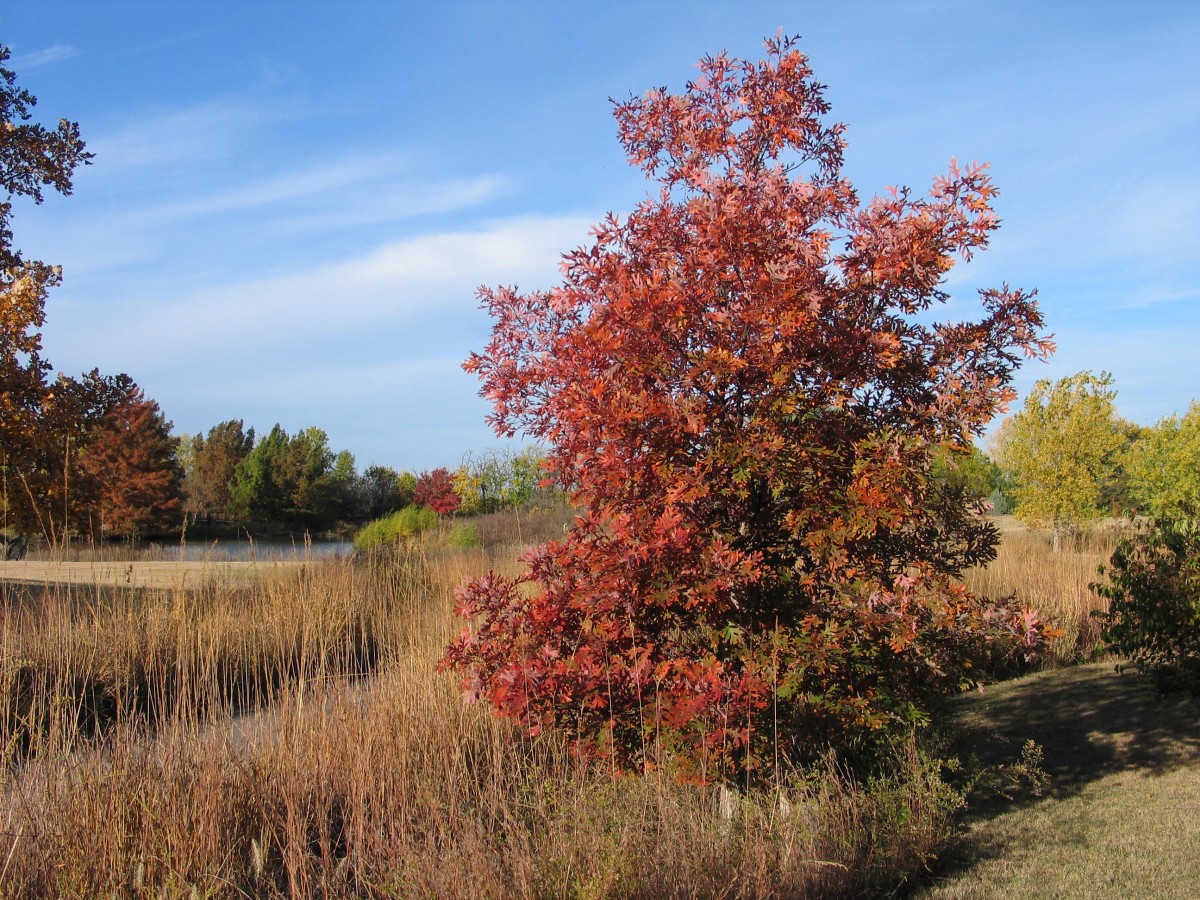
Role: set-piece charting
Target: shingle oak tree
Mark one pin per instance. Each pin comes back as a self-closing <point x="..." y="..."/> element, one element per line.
<point x="741" y="388"/>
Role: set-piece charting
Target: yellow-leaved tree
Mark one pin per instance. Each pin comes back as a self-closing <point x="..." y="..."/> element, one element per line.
<point x="1163" y="466"/>
<point x="1062" y="451"/>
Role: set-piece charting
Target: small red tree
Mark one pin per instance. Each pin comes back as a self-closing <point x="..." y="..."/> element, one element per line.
<point x="741" y="388"/>
<point x="129" y="463"/>
<point x="435" y="490"/>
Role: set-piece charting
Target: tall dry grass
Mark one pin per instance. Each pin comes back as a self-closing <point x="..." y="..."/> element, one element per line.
<point x="77" y="660"/>
<point x="1055" y="583"/>
<point x="245" y="753"/>
<point x="401" y="791"/>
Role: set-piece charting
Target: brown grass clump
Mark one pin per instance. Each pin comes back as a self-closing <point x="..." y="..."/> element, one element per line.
<point x="399" y="790"/>
<point x="77" y="660"/>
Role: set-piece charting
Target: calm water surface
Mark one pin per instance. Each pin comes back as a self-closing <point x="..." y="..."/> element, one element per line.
<point x="225" y="550"/>
<point x="237" y="550"/>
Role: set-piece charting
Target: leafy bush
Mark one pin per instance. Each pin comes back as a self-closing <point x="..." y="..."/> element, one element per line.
<point x="464" y="535"/>
<point x="1153" y="591"/>
<point x="408" y="522"/>
<point x="435" y="490"/>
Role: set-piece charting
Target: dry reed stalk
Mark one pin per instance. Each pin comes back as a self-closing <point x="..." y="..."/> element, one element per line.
<point x="400" y="790"/>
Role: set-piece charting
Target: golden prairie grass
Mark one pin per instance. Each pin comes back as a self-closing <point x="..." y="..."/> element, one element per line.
<point x="243" y="752"/>
<point x="404" y="792"/>
<point x="77" y="659"/>
<point x="1055" y="583"/>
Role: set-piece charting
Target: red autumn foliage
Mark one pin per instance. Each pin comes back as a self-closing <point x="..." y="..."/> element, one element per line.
<point x="128" y="465"/>
<point x="435" y="490"/>
<point x="741" y="387"/>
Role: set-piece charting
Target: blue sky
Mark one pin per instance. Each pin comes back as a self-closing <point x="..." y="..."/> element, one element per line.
<point x="293" y="203"/>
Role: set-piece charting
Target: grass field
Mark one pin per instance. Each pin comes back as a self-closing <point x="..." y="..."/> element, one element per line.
<point x="288" y="735"/>
<point x="1056" y="584"/>
<point x="1119" y="813"/>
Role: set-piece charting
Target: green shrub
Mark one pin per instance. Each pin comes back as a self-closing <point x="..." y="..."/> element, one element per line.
<point x="1153" y="592"/>
<point x="406" y="523"/>
<point x="465" y="535"/>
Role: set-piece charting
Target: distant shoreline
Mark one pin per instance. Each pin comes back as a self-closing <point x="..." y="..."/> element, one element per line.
<point x="149" y="574"/>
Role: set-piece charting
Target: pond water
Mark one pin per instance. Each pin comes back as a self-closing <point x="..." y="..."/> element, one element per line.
<point x="223" y="550"/>
<point x="237" y="550"/>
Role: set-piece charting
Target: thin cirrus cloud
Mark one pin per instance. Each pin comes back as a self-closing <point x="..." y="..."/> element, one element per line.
<point x="155" y="163"/>
<point x="341" y="193"/>
<point x="318" y="199"/>
<point x="207" y="131"/>
<point x="218" y="129"/>
<point x="52" y="54"/>
<point x="369" y="348"/>
<point x="1127" y="246"/>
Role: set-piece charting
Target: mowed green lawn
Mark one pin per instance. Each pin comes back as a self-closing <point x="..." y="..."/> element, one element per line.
<point x="1120" y="816"/>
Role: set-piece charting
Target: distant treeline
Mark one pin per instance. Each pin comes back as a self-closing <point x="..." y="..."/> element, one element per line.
<point x="1066" y="460"/>
<point x="298" y="481"/>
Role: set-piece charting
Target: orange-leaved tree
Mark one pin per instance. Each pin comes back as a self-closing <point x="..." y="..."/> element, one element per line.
<point x="741" y="387"/>
<point x="32" y="157"/>
<point x="435" y="490"/>
<point x="46" y="488"/>
<point x="129" y="466"/>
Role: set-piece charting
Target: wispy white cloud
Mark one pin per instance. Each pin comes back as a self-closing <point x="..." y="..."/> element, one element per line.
<point x="369" y="347"/>
<point x="319" y="199"/>
<point x="1149" y="296"/>
<point x="505" y="249"/>
<point x="213" y="130"/>
<point x="346" y="191"/>
<point x="402" y="198"/>
<point x="52" y="54"/>
<point x="350" y="302"/>
<point x="1137" y="237"/>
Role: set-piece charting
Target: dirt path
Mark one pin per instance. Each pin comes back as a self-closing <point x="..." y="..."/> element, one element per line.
<point x="168" y="575"/>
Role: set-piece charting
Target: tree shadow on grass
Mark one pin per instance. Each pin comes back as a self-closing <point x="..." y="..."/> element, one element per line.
<point x="1090" y="721"/>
